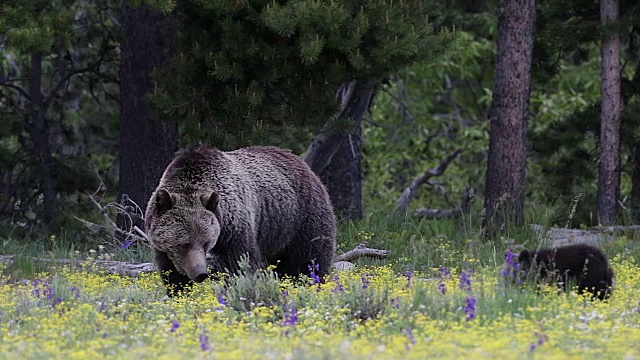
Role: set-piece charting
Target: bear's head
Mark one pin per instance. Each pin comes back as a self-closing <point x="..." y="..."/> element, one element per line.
<point x="186" y="228"/>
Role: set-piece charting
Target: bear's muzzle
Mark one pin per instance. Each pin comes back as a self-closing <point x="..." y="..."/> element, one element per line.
<point x="195" y="265"/>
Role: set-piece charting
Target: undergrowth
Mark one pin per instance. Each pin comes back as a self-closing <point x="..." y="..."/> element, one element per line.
<point x="442" y="292"/>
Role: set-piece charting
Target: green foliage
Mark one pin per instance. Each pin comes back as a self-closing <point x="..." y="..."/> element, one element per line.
<point x="254" y="71"/>
<point x="426" y="112"/>
<point x="565" y="104"/>
<point x="248" y="289"/>
<point x="77" y="43"/>
<point x="35" y="26"/>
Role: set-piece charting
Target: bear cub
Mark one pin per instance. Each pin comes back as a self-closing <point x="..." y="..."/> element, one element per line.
<point x="579" y="265"/>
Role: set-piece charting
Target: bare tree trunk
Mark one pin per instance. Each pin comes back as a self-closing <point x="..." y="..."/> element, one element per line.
<point x="609" y="176"/>
<point x="146" y="143"/>
<point x="37" y="127"/>
<point x="505" y="180"/>
<point x="343" y="175"/>
<point x="336" y="152"/>
<point x="635" y="185"/>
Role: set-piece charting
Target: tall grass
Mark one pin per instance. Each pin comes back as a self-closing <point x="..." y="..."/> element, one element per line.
<point x="442" y="292"/>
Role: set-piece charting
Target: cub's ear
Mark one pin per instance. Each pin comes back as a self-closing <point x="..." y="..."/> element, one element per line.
<point x="210" y="201"/>
<point x="164" y="201"/>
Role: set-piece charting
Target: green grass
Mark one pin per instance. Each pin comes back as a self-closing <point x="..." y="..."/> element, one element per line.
<point x="395" y="308"/>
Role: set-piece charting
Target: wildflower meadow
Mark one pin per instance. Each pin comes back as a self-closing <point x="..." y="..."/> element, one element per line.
<point x="379" y="310"/>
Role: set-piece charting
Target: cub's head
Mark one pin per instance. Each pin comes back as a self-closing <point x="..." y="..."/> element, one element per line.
<point x="524" y="259"/>
<point x="185" y="227"/>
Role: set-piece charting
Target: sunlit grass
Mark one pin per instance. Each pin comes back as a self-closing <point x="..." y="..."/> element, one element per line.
<point x="371" y="313"/>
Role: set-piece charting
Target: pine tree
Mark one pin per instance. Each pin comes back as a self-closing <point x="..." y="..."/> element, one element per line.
<point x="505" y="180"/>
<point x="255" y="71"/>
<point x="247" y="67"/>
<point x="56" y="54"/>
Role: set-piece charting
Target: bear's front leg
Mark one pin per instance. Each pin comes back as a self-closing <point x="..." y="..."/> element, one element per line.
<point x="175" y="282"/>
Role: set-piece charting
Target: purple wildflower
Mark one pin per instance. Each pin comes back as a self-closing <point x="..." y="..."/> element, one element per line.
<point x="470" y="307"/>
<point x="444" y="274"/>
<point x="541" y="339"/>
<point x="313" y="269"/>
<point x="204" y="341"/>
<point x="339" y="287"/>
<point x="442" y="287"/>
<point x="511" y="267"/>
<point x="365" y="281"/>
<point x="412" y="339"/>
<point x="104" y="335"/>
<point x="174" y="326"/>
<point x="75" y="291"/>
<point x="408" y="274"/>
<point x="395" y="302"/>
<point x="465" y="280"/>
<point x="221" y="300"/>
<point x="291" y="317"/>
<point x="125" y="244"/>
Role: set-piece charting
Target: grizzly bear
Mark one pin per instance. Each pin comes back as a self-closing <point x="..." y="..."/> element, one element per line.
<point x="213" y="207"/>
<point x="579" y="265"/>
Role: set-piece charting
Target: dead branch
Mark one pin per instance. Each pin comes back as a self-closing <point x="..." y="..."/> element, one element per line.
<point x="129" y="208"/>
<point x="410" y="192"/>
<point x="360" y="251"/>
<point x="111" y="231"/>
<point x="108" y="266"/>
<point x="465" y="206"/>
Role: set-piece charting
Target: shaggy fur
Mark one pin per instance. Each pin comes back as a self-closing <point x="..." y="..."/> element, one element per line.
<point x="581" y="265"/>
<point x="212" y="207"/>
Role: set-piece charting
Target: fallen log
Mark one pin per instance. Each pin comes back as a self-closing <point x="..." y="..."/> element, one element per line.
<point x="554" y="236"/>
<point x="361" y="251"/>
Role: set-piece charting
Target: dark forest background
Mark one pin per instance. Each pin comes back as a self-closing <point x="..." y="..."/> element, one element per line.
<point x="532" y="107"/>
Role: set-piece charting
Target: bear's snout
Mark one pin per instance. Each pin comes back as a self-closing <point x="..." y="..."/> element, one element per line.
<point x="196" y="265"/>
<point x="200" y="278"/>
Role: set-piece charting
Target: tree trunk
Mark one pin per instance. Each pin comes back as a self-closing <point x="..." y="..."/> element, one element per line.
<point x="635" y="185"/>
<point x="505" y="180"/>
<point x="609" y="175"/>
<point x="335" y="154"/>
<point x="37" y="127"/>
<point x="147" y="143"/>
<point x="343" y="175"/>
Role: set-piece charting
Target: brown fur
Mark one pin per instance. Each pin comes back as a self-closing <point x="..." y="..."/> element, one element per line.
<point x="260" y="201"/>
<point x="580" y="265"/>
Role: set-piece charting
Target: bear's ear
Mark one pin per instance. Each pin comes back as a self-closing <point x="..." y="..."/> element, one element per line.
<point x="210" y="201"/>
<point x="164" y="202"/>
